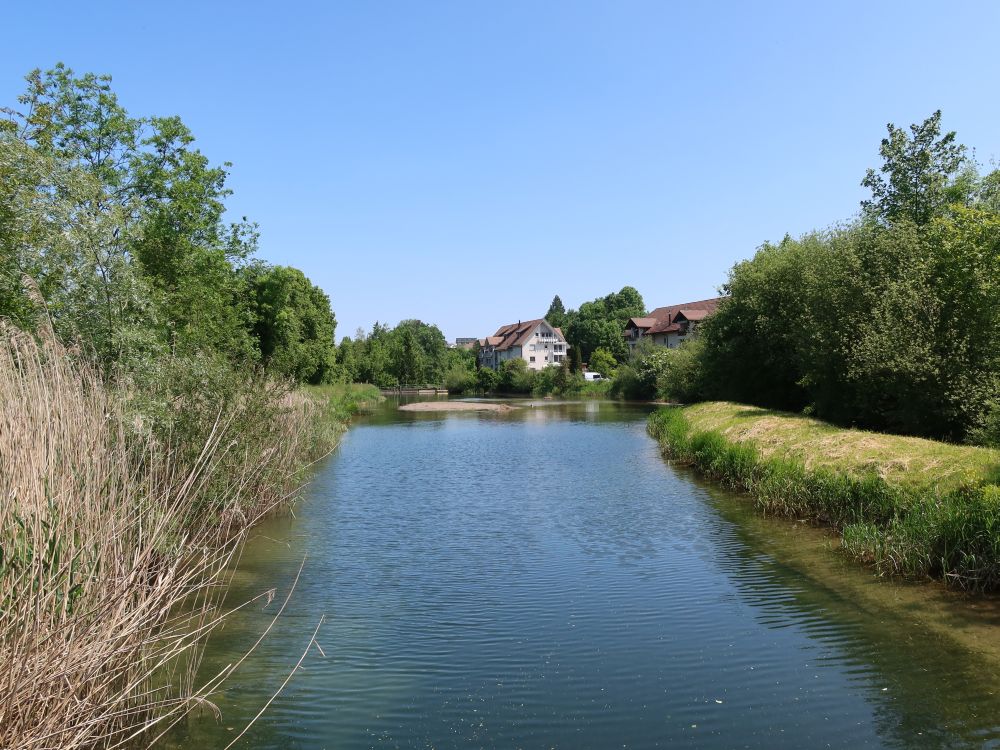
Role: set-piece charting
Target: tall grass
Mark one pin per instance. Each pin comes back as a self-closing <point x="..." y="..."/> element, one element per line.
<point x="913" y="529"/>
<point x="115" y="545"/>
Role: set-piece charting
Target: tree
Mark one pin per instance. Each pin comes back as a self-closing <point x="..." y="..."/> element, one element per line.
<point x="556" y="314"/>
<point x="515" y="377"/>
<point x="600" y="323"/>
<point x="293" y="323"/>
<point x="165" y="204"/>
<point x="575" y="360"/>
<point x="603" y="361"/>
<point x="920" y="174"/>
<point x="347" y="360"/>
<point x="74" y="258"/>
<point x="487" y="380"/>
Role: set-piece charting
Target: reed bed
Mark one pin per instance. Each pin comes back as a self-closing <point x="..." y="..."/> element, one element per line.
<point x="907" y="506"/>
<point x="115" y="546"/>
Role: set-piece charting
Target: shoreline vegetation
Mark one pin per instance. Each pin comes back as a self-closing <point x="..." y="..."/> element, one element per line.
<point x="906" y="506"/>
<point x="161" y="390"/>
<point x="117" y="545"/>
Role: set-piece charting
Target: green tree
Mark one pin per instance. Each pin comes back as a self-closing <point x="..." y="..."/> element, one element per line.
<point x="347" y="360"/>
<point x="921" y="173"/>
<point x="487" y="380"/>
<point x="600" y="323"/>
<point x="163" y="200"/>
<point x="374" y="359"/>
<point x="515" y="377"/>
<point x="293" y="323"/>
<point x="460" y="370"/>
<point x="603" y="361"/>
<point x="75" y="258"/>
<point x="575" y="360"/>
<point x="682" y="377"/>
<point x="417" y="352"/>
<point x="556" y="314"/>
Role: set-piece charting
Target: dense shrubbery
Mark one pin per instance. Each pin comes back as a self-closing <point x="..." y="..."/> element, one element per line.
<point x="890" y="323"/>
<point x="669" y="374"/>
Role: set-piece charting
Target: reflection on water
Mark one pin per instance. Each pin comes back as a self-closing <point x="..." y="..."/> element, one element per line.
<point x="544" y="578"/>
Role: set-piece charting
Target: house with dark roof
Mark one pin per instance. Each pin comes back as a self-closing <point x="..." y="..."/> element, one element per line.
<point x="537" y="342"/>
<point x="671" y="325"/>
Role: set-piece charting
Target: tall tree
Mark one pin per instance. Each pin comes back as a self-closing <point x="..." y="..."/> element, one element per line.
<point x="556" y="314"/>
<point x="293" y="323"/>
<point x="921" y="173"/>
<point x="600" y="322"/>
<point x="164" y="198"/>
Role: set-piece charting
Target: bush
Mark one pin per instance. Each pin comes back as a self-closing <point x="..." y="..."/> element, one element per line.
<point x="604" y="362"/>
<point x="487" y="380"/>
<point x="682" y="375"/>
<point x="638" y="379"/>
<point x="515" y="377"/>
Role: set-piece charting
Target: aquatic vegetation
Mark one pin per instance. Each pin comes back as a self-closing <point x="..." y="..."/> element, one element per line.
<point x="116" y="544"/>
<point x="907" y="506"/>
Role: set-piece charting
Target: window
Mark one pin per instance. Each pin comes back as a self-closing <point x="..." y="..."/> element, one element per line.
<point x="531" y="359"/>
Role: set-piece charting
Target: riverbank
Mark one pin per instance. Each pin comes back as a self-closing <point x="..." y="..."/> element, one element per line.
<point x="908" y="506"/>
<point x="117" y="541"/>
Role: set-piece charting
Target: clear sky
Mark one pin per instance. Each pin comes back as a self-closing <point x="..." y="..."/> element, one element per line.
<point x="462" y="162"/>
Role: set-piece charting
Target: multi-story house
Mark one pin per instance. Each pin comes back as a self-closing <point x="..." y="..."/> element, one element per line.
<point x="535" y="341"/>
<point x="669" y="326"/>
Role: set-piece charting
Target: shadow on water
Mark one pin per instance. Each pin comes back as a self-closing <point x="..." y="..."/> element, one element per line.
<point x="931" y="656"/>
<point x="543" y="578"/>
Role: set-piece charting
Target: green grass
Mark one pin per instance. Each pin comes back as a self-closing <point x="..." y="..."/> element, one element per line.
<point x="908" y="506"/>
<point x="338" y="403"/>
<point x="595" y="389"/>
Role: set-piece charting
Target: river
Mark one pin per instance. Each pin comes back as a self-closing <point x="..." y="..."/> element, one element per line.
<point x="544" y="578"/>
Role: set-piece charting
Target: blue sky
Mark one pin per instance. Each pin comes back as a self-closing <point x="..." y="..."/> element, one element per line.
<point x="462" y="162"/>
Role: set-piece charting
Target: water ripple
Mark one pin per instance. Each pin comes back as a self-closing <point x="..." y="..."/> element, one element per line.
<point x="551" y="581"/>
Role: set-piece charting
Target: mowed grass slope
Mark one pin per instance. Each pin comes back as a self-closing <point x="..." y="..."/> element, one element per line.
<point x="907" y="506"/>
<point x="908" y="462"/>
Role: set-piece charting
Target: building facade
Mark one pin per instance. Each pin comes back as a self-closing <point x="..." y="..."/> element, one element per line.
<point x="669" y="326"/>
<point x="535" y="341"/>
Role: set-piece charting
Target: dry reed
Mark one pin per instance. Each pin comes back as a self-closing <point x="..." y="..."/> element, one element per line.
<point x="113" y="557"/>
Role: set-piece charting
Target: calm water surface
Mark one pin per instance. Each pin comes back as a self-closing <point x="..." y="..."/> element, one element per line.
<point x="546" y="579"/>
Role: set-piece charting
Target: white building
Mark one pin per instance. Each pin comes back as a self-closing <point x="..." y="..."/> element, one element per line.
<point x="535" y="341"/>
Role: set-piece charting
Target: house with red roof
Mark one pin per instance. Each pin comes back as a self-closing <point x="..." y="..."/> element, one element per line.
<point x="671" y="325"/>
<point x="537" y="342"/>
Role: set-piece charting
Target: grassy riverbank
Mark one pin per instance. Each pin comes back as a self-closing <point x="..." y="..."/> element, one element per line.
<point x="116" y="544"/>
<point x="907" y="506"/>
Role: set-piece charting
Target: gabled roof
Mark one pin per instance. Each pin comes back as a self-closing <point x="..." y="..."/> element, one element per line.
<point x="692" y="314"/>
<point x="641" y="322"/>
<point x="517" y="334"/>
<point x="665" y="316"/>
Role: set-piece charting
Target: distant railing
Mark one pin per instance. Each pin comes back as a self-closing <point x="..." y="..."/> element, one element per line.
<point x="424" y="389"/>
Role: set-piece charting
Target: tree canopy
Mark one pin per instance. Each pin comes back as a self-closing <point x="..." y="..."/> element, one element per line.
<point x="118" y="224"/>
<point x="600" y="322"/>
<point x="889" y="323"/>
<point x="921" y="173"/>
